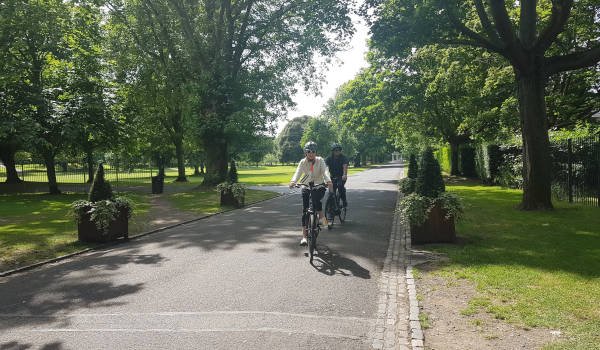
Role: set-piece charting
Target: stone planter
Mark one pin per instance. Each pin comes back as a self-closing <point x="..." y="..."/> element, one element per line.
<point x="436" y="229"/>
<point x="228" y="199"/>
<point x="88" y="232"/>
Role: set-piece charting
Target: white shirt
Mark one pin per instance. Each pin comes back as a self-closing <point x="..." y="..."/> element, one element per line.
<point x="318" y="173"/>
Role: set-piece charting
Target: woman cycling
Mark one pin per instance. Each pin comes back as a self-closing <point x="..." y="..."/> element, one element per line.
<point x="312" y="169"/>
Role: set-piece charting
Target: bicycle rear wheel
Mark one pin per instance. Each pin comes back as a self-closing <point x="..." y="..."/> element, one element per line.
<point x="342" y="214"/>
<point x="330" y="211"/>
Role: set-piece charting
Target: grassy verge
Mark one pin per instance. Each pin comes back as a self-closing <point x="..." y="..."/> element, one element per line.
<point x="531" y="268"/>
<point x="207" y="202"/>
<point x="36" y="227"/>
<point x="274" y="175"/>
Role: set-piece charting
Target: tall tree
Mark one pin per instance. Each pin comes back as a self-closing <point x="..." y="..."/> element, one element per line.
<point x="157" y="64"/>
<point x="37" y="34"/>
<point x="288" y="141"/>
<point x="320" y="131"/>
<point x="538" y="38"/>
<point x="248" y="56"/>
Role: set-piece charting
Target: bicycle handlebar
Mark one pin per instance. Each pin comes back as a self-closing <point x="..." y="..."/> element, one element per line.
<point x="314" y="187"/>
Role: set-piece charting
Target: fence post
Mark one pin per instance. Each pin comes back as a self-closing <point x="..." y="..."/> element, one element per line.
<point x="570" y="169"/>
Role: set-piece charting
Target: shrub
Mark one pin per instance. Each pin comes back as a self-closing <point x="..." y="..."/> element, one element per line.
<point x="100" y="189"/>
<point x="407" y="185"/>
<point x="415" y="208"/>
<point x="429" y="180"/>
<point x="101" y="212"/>
<point x="413" y="168"/>
<point x="232" y="175"/>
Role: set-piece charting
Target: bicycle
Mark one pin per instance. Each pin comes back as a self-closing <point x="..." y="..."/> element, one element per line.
<point x="334" y="205"/>
<point x="311" y="220"/>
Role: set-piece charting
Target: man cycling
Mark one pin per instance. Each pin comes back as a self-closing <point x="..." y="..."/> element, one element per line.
<point x="338" y="168"/>
<point x="312" y="169"/>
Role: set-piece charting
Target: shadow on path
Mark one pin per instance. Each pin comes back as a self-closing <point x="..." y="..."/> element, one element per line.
<point x="331" y="263"/>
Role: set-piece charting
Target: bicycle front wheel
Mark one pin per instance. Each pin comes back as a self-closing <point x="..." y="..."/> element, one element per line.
<point x="312" y="237"/>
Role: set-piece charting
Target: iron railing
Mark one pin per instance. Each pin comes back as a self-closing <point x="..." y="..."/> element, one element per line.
<point x="576" y="170"/>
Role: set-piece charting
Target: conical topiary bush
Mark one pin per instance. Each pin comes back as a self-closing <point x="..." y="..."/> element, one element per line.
<point x="429" y="180"/>
<point x="232" y="176"/>
<point x="413" y="168"/>
<point x="100" y="189"/>
<point x="407" y="185"/>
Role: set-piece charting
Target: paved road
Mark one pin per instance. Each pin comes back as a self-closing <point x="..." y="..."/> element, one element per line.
<point x="233" y="281"/>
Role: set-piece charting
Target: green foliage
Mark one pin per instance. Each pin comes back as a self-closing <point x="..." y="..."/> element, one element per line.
<point x="444" y="158"/>
<point x="232" y="175"/>
<point x="415" y="208"/>
<point x="237" y="189"/>
<point x="413" y="168"/>
<point x="290" y="138"/>
<point x="407" y="185"/>
<point x="102" y="212"/>
<point x="101" y="189"/>
<point x="320" y="131"/>
<point x="429" y="181"/>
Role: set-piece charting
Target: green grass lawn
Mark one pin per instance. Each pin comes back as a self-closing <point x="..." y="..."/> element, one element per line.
<point x="35" y="227"/>
<point x="274" y="175"/>
<point x="207" y="201"/>
<point x="530" y="268"/>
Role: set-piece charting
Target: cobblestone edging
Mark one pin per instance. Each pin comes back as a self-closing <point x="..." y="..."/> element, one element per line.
<point x="392" y="325"/>
<point x="416" y="333"/>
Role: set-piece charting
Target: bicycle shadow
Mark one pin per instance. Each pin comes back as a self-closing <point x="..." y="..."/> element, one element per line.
<point x="331" y="263"/>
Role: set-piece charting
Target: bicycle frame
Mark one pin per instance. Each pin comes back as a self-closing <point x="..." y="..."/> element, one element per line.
<point x="311" y="220"/>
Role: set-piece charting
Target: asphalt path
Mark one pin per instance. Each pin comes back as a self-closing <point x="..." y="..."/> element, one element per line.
<point x="237" y="280"/>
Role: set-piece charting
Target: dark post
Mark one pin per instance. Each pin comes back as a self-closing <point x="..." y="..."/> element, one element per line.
<point x="570" y="169"/>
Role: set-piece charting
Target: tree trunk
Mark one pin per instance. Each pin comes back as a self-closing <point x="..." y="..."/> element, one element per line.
<point x="196" y="170"/>
<point x="454" y="146"/>
<point x="89" y="157"/>
<point x="51" y="173"/>
<point x="7" y="156"/>
<point x="536" y="150"/>
<point x="180" y="161"/>
<point x="217" y="158"/>
<point x="202" y="167"/>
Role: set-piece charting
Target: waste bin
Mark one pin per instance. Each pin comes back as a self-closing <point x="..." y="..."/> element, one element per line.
<point x="157" y="184"/>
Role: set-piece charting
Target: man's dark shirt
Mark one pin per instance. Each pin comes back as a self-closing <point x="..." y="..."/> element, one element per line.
<point x="336" y="165"/>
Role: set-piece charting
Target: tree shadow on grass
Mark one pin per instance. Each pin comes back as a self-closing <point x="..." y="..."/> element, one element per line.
<point x="493" y="232"/>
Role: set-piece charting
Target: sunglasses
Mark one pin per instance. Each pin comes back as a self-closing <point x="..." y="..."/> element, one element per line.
<point x="310" y="151"/>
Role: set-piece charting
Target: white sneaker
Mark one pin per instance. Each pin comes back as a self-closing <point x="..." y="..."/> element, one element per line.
<point x="303" y="241"/>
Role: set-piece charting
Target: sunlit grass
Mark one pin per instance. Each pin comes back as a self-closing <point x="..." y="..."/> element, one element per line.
<point x="207" y="201"/>
<point x="36" y="227"/>
<point x="531" y="268"/>
<point x="274" y="175"/>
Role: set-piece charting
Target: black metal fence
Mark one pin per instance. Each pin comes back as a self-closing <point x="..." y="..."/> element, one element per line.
<point x="576" y="170"/>
<point x="74" y="175"/>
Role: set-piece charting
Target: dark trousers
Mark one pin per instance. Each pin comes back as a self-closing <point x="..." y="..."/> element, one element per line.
<point x="316" y="196"/>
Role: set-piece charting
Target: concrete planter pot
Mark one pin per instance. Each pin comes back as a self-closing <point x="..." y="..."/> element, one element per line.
<point x="88" y="232"/>
<point x="436" y="229"/>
